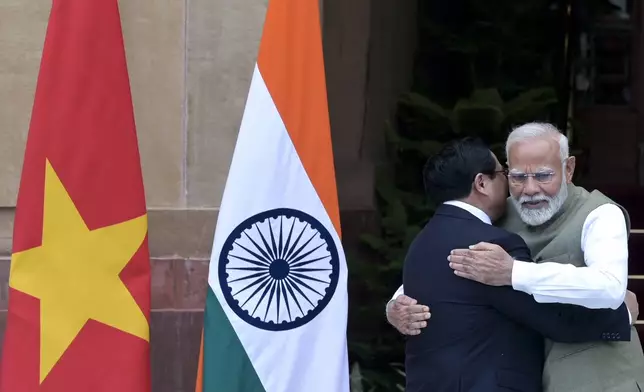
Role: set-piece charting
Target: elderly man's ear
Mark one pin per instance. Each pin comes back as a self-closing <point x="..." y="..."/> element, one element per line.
<point x="570" y="168"/>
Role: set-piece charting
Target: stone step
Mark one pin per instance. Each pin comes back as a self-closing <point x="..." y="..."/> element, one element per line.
<point x="636" y="253"/>
<point x="640" y="330"/>
<point x="636" y="271"/>
<point x="636" y="285"/>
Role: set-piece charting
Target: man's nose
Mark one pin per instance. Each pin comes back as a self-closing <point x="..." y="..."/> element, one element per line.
<point x="531" y="187"/>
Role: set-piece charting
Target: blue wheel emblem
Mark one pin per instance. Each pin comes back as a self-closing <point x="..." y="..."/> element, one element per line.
<point x="279" y="269"/>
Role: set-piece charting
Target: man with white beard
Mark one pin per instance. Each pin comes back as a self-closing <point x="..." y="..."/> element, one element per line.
<point x="579" y="241"/>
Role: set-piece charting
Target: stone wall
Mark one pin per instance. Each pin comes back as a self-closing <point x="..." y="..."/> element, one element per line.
<point x="190" y="63"/>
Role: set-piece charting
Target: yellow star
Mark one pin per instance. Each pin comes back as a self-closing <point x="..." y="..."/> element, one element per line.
<point x="75" y="274"/>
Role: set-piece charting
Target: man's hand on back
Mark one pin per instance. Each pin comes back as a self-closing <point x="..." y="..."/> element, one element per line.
<point x="632" y="305"/>
<point x="406" y="315"/>
<point x="484" y="262"/>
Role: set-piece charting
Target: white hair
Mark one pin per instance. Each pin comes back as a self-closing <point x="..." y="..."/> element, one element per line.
<point x="536" y="130"/>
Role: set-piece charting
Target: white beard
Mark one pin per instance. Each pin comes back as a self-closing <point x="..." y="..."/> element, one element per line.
<point x="539" y="216"/>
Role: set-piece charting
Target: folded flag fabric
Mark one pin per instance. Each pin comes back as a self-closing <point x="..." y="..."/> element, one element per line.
<point x="79" y="284"/>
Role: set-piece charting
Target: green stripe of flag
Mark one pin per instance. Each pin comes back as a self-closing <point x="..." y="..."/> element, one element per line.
<point x="227" y="367"/>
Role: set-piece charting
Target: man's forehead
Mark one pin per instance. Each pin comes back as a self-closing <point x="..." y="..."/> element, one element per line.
<point x="534" y="152"/>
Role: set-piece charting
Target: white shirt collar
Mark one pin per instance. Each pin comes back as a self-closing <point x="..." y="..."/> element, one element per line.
<point x="471" y="209"/>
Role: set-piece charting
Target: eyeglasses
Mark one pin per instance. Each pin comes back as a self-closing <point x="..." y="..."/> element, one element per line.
<point x="494" y="172"/>
<point x="521" y="178"/>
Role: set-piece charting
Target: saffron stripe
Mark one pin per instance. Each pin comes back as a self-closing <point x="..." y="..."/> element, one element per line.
<point x="291" y="62"/>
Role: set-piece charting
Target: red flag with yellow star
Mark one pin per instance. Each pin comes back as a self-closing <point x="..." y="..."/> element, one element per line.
<point x="79" y="296"/>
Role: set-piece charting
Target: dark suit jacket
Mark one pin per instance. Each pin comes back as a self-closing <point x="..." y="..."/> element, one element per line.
<point x="483" y="338"/>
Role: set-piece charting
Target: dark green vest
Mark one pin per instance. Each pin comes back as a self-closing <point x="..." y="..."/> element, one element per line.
<point x="584" y="367"/>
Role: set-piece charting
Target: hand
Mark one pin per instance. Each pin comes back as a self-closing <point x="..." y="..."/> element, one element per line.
<point x="632" y="305"/>
<point x="484" y="262"/>
<point x="406" y="315"/>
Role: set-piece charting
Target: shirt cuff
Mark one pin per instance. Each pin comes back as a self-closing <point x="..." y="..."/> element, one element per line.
<point x="522" y="275"/>
<point x="391" y="300"/>
<point x="398" y="293"/>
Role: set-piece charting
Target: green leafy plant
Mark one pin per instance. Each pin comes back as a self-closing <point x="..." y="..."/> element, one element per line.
<point x="484" y="111"/>
<point x="360" y="383"/>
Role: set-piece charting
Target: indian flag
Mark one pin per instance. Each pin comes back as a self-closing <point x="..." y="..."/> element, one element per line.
<point x="276" y="307"/>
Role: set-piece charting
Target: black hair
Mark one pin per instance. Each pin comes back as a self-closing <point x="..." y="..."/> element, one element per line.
<point x="450" y="173"/>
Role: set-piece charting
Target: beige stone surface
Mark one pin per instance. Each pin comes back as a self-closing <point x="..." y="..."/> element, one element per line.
<point x="178" y="233"/>
<point x="6" y="230"/>
<point x="155" y="48"/>
<point x="185" y="233"/>
<point x="22" y="34"/>
<point x="155" y="45"/>
<point x="223" y="38"/>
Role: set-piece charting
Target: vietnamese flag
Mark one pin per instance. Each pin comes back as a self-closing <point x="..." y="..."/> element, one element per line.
<point x="79" y="297"/>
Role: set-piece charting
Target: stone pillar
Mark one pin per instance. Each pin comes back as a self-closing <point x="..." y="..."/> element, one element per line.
<point x="369" y="48"/>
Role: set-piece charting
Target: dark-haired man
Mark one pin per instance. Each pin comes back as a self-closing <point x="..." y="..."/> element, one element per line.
<point x="482" y="338"/>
